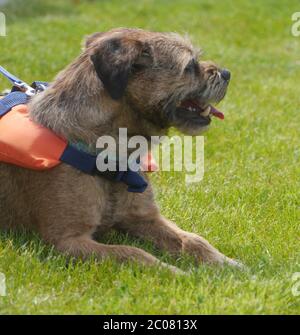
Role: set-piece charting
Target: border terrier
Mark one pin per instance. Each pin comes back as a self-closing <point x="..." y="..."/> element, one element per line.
<point x="146" y="82"/>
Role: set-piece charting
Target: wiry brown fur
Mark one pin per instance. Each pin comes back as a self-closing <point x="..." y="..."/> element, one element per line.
<point x="66" y="206"/>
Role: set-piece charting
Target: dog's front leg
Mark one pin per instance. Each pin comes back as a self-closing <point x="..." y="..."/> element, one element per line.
<point x="169" y="237"/>
<point x="85" y="247"/>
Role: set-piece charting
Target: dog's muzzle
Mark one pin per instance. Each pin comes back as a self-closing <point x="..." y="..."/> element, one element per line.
<point x="195" y="110"/>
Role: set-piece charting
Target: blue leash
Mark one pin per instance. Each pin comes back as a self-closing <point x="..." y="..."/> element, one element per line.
<point x="20" y="84"/>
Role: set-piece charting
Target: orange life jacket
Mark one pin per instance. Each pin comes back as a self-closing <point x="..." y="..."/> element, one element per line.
<point x="29" y="145"/>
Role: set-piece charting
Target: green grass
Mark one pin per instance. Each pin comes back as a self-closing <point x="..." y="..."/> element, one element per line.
<point x="248" y="202"/>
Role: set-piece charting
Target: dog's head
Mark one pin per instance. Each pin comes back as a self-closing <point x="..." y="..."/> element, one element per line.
<point x="159" y="76"/>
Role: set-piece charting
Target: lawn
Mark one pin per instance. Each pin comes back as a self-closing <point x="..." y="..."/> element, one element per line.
<point x="247" y="205"/>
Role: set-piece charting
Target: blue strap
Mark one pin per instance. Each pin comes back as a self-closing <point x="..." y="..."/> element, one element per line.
<point x="81" y="160"/>
<point x="86" y="163"/>
<point x="136" y="183"/>
<point x="11" y="100"/>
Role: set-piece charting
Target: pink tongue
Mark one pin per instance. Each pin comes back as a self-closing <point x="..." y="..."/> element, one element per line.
<point x="216" y="113"/>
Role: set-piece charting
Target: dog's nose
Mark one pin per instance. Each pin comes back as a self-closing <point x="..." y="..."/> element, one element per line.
<point x="225" y="74"/>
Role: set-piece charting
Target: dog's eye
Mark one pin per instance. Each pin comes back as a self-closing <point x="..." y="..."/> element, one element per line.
<point x="144" y="61"/>
<point x="145" y="54"/>
<point x="192" y="67"/>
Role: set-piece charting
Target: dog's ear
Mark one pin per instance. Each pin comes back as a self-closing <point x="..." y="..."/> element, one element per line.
<point x="113" y="60"/>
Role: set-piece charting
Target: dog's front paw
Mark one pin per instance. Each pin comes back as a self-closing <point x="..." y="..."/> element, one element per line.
<point x="203" y="252"/>
<point x="175" y="270"/>
<point x="235" y="263"/>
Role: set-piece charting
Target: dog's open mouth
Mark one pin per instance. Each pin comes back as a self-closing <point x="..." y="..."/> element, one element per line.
<point x="205" y="111"/>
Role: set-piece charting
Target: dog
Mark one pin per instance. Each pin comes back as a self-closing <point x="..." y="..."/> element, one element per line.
<point x="146" y="82"/>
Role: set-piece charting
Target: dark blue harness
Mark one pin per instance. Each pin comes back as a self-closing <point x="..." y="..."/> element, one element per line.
<point x="79" y="159"/>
